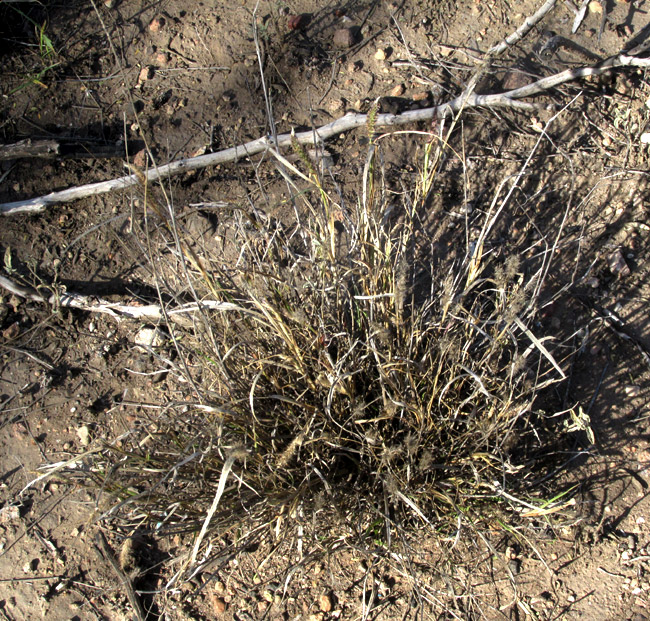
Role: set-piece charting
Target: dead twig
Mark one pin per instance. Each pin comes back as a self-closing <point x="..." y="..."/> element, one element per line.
<point x="346" y="123"/>
<point x="59" y="149"/>
<point x="148" y="312"/>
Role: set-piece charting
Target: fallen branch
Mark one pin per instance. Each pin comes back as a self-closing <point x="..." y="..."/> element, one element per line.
<point x="67" y="148"/>
<point x="312" y="137"/>
<point x="148" y="312"/>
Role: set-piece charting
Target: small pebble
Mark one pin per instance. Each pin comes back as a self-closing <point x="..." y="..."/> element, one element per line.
<point x="595" y="7"/>
<point x="146" y="73"/>
<point x="140" y="159"/>
<point x="420" y="96"/>
<point x="157" y="24"/>
<point x="380" y="54"/>
<point x="84" y="435"/>
<point x="617" y="264"/>
<point x="632" y="391"/>
<point x="397" y="91"/>
<point x="218" y="605"/>
<point x="325" y="602"/>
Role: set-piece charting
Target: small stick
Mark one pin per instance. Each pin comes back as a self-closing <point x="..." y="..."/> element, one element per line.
<point x="345" y="123"/>
<point x="62" y="148"/>
<point x="148" y="312"/>
<point x="105" y="552"/>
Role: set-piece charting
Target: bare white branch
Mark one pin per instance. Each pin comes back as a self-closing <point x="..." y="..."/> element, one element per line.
<point x="318" y="136"/>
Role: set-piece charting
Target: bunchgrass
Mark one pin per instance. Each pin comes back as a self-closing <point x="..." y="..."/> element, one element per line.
<point x="352" y="377"/>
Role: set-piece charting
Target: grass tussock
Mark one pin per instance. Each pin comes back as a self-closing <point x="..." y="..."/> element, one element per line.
<point x="352" y="378"/>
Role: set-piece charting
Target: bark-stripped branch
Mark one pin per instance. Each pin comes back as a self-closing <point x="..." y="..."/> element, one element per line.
<point x="318" y="136"/>
<point x="148" y="312"/>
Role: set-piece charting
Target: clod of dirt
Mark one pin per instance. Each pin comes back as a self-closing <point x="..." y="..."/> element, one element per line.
<point x="346" y="37"/>
<point x="134" y="107"/>
<point x="298" y="22"/>
<point x="9" y="514"/>
<point x="335" y="105"/>
<point x="229" y="96"/>
<point x="10" y="333"/>
<point x="325" y="603"/>
<point x="162" y="59"/>
<point x="157" y="23"/>
<point x="218" y="605"/>
<point x="617" y="264"/>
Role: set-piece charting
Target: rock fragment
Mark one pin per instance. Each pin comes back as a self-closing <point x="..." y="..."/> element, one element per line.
<point x="84" y="435"/>
<point x="218" y="605"/>
<point x="146" y="73"/>
<point x="346" y="37"/>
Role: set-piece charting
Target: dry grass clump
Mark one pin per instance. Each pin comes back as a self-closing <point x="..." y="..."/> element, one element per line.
<point x="348" y="380"/>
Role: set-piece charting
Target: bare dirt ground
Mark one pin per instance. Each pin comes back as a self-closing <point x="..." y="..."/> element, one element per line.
<point x="184" y="79"/>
